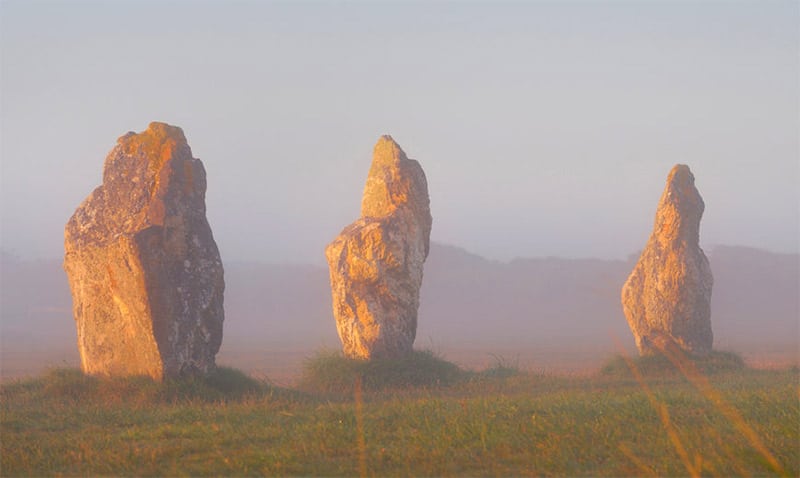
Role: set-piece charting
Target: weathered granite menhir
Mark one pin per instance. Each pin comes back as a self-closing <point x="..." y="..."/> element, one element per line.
<point x="144" y="270"/>
<point x="376" y="262"/>
<point x="667" y="298"/>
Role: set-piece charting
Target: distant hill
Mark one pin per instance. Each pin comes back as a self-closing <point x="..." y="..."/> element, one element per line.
<point x="756" y="299"/>
<point x="525" y="301"/>
<point x="564" y="312"/>
<point x="550" y="312"/>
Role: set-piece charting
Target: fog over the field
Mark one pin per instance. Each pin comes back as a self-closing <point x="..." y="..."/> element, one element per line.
<point x="544" y="128"/>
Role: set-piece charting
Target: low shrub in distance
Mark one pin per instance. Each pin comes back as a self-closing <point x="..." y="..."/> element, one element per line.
<point x="501" y="369"/>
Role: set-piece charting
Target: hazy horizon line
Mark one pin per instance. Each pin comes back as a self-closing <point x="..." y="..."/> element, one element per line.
<point x="10" y="253"/>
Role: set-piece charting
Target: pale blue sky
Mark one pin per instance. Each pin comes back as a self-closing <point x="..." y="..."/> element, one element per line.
<point x="544" y="128"/>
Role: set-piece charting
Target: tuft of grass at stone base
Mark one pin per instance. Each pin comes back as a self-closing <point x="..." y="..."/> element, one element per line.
<point x="72" y="386"/>
<point x="658" y="365"/>
<point x="332" y="372"/>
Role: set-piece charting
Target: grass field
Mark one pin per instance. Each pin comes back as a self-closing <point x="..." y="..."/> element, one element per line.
<point x="422" y="416"/>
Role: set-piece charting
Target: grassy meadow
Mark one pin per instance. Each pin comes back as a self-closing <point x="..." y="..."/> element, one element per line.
<point x="421" y="416"/>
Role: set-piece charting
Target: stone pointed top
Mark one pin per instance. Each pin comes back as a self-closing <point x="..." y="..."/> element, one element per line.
<point x="156" y="132"/>
<point x="680" y="208"/>
<point x="394" y="181"/>
<point x="154" y="147"/>
<point x="681" y="180"/>
<point x="158" y="142"/>
<point x="387" y="151"/>
<point x="682" y="171"/>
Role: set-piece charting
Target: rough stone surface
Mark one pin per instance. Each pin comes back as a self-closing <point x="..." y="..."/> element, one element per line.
<point x="144" y="270"/>
<point x="667" y="298"/>
<point x="376" y="262"/>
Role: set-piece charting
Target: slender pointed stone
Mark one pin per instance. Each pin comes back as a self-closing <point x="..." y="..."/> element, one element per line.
<point x="376" y="262"/>
<point x="144" y="270"/>
<point x="667" y="298"/>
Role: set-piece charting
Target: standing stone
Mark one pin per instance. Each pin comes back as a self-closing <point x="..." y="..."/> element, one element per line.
<point x="376" y="262"/>
<point x="144" y="270"/>
<point x="667" y="298"/>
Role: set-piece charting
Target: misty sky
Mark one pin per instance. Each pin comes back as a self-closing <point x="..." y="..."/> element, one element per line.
<point x="545" y="129"/>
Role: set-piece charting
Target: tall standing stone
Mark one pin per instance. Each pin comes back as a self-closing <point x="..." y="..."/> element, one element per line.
<point x="144" y="270"/>
<point x="667" y="298"/>
<point x="376" y="262"/>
